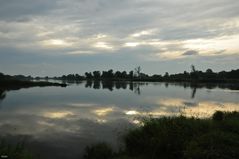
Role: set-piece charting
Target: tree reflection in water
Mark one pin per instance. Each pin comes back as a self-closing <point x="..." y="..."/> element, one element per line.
<point x="135" y="86"/>
<point x="114" y="85"/>
<point x="2" y="94"/>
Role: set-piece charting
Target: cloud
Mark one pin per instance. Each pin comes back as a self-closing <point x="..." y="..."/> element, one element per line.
<point x="24" y="10"/>
<point x="190" y="53"/>
<point x="139" y="30"/>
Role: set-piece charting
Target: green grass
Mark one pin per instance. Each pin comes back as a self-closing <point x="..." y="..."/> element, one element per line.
<point x="182" y="138"/>
<point x="14" y="151"/>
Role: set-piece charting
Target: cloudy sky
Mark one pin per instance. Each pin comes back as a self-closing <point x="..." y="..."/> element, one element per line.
<point x="55" y="37"/>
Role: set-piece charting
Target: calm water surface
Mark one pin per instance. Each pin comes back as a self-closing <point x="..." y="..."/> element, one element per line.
<point x="59" y="122"/>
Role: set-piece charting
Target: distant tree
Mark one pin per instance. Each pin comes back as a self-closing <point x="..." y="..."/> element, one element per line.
<point x="193" y="68"/>
<point x="143" y="75"/>
<point x="156" y="77"/>
<point x="104" y="74"/>
<point x="194" y="74"/>
<point x="233" y="74"/>
<point x="118" y="74"/>
<point x="63" y="77"/>
<point x="1" y="75"/>
<point x="222" y="74"/>
<point x="137" y="71"/>
<point x="131" y="74"/>
<point x="209" y="71"/>
<point x="88" y="75"/>
<point x="78" y="77"/>
<point x="124" y="74"/>
<point x="210" y="74"/>
<point x="110" y="73"/>
<point x="166" y="75"/>
<point x="96" y="74"/>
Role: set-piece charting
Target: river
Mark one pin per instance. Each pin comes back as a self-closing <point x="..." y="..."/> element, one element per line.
<point x="58" y="122"/>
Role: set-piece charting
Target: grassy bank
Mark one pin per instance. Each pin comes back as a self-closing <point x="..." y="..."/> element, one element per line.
<point x="177" y="138"/>
<point x="14" y="151"/>
<point x="17" y="84"/>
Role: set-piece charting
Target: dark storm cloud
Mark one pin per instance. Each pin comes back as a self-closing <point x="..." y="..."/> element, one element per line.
<point x="190" y="53"/>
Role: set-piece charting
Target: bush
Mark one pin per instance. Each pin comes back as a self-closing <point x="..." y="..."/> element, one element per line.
<point x="98" y="151"/>
<point x="178" y="138"/>
<point x="219" y="145"/>
<point x="218" y="116"/>
<point x="163" y="138"/>
<point x="17" y="151"/>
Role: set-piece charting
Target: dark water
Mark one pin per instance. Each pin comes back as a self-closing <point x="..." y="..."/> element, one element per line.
<point x="59" y="122"/>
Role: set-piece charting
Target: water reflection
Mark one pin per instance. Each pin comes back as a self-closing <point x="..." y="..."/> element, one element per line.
<point x="194" y="90"/>
<point x="62" y="114"/>
<point x="2" y="94"/>
<point x="111" y="85"/>
<point x="60" y="122"/>
<point x="135" y="86"/>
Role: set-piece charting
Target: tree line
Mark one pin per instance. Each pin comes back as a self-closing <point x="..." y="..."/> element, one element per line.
<point x="137" y="75"/>
<point x="193" y="75"/>
<point x="15" y="77"/>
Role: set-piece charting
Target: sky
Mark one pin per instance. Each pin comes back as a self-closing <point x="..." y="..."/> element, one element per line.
<point x="56" y="37"/>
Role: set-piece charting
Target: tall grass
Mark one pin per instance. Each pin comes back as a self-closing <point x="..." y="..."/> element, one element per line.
<point x="14" y="151"/>
<point x="184" y="138"/>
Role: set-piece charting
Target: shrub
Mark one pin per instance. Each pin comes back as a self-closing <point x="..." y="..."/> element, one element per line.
<point x="178" y="138"/>
<point x="163" y="138"/>
<point x="14" y="151"/>
<point x="216" y="144"/>
<point x="98" y="151"/>
<point x="218" y="116"/>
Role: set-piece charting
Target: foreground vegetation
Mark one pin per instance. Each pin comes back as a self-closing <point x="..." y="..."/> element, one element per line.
<point x="177" y="138"/>
<point x="163" y="138"/>
<point x="14" y="151"/>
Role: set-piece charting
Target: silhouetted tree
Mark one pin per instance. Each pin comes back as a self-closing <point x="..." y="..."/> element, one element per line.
<point x="118" y="74"/>
<point x="166" y="75"/>
<point x="131" y="74"/>
<point x="137" y="71"/>
<point x="124" y="74"/>
<point x="194" y="74"/>
<point x="209" y="71"/>
<point x="110" y="73"/>
<point x="193" y="68"/>
<point x="96" y="74"/>
<point x="88" y="75"/>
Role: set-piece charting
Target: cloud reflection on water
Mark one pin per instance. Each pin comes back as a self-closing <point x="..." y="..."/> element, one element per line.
<point x="69" y="119"/>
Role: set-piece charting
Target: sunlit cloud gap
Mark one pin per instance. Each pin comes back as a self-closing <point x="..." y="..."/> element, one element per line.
<point x="56" y="43"/>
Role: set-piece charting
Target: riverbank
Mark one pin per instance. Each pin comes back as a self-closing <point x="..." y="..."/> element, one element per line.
<point x="177" y="138"/>
<point x="13" y="84"/>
